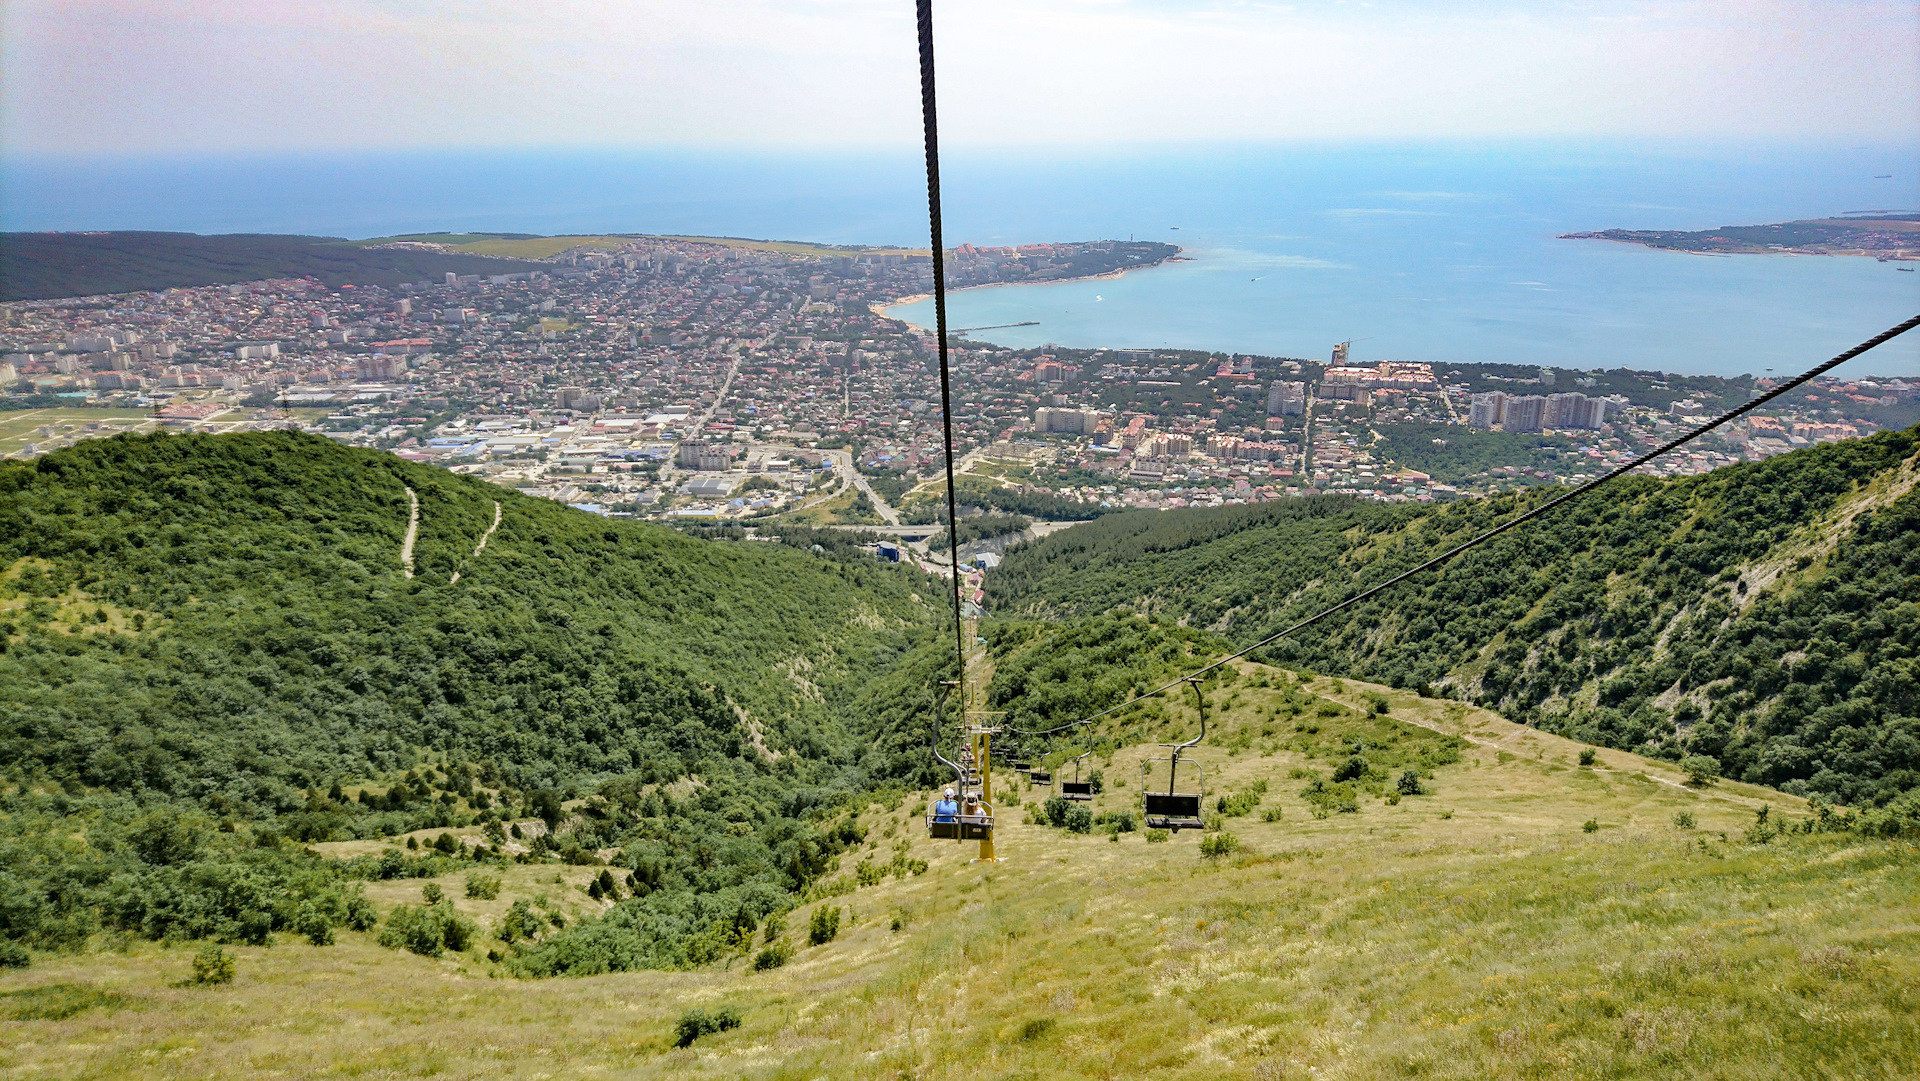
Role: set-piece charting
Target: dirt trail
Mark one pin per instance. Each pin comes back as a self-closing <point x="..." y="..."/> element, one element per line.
<point x="482" y="546"/>
<point x="413" y="530"/>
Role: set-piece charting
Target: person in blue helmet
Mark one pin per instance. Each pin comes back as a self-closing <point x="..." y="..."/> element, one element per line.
<point x="945" y="808"/>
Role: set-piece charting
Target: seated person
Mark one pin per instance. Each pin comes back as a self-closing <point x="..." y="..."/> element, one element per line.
<point x="945" y="808"/>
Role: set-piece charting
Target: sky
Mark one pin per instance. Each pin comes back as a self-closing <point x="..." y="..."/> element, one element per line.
<point x="217" y="76"/>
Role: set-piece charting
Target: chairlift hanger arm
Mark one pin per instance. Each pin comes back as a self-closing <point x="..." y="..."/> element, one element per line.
<point x="1877" y="340"/>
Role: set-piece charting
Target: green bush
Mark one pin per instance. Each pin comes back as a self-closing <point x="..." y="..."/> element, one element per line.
<point x="1215" y="845"/>
<point x="1055" y="810"/>
<point x="1588" y="756"/>
<point x="310" y="920"/>
<point x="432" y="894"/>
<point x="1097" y="783"/>
<point x="520" y="922"/>
<point x="482" y="887"/>
<point x="212" y="965"/>
<point x="696" y="1023"/>
<point x="1353" y="769"/>
<point x="427" y="930"/>
<point x="1079" y="819"/>
<point x="824" y="926"/>
<point x="773" y="956"/>
<point x="1158" y="837"/>
<point x="14" y="955"/>
<point x="1243" y="802"/>
<point x="1700" y="769"/>
<point x="776" y="926"/>
<point x="1591" y="825"/>
<point x="1270" y="814"/>
<point x="1684" y="820"/>
<point x="1409" y="783"/>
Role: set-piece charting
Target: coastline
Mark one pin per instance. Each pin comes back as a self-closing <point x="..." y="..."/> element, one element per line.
<point x="881" y="308"/>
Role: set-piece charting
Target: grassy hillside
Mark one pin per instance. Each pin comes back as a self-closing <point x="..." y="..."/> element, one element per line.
<point x="41" y="266"/>
<point x="213" y="647"/>
<point x="1478" y="929"/>
<point x="1763" y="614"/>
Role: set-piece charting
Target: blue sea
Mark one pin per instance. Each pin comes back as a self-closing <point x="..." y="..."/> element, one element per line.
<point x="1434" y="252"/>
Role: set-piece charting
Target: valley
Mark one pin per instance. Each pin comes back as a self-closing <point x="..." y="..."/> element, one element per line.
<point x="320" y="762"/>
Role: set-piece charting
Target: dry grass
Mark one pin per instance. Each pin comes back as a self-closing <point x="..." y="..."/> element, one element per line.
<point x="1500" y="941"/>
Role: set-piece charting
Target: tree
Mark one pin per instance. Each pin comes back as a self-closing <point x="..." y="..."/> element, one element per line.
<point x="1701" y="770"/>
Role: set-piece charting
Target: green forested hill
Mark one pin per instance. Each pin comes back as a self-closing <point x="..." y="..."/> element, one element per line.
<point x="205" y="638"/>
<point x="41" y="266"/>
<point x="1763" y="614"/>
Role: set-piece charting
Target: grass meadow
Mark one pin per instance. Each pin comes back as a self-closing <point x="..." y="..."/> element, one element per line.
<point x="1526" y="917"/>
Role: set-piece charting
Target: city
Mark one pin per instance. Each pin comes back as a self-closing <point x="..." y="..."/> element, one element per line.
<point x="710" y="380"/>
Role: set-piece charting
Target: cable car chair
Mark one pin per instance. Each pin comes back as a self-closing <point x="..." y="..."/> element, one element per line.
<point x="959" y="826"/>
<point x="1174" y="810"/>
<point x="1077" y="790"/>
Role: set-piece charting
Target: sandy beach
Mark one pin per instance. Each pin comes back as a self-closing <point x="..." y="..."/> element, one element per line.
<point x="883" y="309"/>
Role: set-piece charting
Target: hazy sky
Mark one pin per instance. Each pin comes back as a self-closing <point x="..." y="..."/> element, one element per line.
<point x="146" y="75"/>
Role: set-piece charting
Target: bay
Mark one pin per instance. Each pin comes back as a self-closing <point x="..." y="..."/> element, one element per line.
<point x="1438" y="252"/>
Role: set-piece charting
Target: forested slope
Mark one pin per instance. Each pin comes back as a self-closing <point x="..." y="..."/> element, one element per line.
<point x="203" y="639"/>
<point x="1764" y="614"/>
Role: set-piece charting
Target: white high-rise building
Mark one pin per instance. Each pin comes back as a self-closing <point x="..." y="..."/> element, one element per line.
<point x="1285" y="399"/>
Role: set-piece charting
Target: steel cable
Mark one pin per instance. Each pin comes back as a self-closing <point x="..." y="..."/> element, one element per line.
<point x="1877" y="340"/>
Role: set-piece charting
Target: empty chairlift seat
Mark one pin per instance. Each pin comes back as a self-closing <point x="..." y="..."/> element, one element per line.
<point x="1081" y="791"/>
<point x="1173" y="811"/>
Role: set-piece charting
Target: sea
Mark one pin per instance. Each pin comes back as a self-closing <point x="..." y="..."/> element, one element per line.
<point x="1442" y="252"/>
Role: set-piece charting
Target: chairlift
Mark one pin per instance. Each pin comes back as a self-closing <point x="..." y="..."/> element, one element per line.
<point x="960" y="825"/>
<point x="1077" y="790"/>
<point x="1173" y="809"/>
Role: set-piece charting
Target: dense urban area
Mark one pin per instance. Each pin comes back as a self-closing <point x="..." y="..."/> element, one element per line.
<point x="716" y="380"/>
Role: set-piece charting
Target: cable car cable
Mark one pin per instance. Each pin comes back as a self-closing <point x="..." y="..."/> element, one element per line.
<point x="1877" y="340"/>
<point x="930" y="122"/>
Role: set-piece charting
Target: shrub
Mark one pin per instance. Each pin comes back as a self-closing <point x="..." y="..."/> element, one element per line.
<point x="360" y="914"/>
<point x="1591" y="825"/>
<point x="1684" y="820"/>
<point x="14" y="955"/>
<point x="432" y="894"/>
<point x="1381" y="705"/>
<point x="1158" y="837"/>
<point x="776" y="926"/>
<point x="212" y="965"/>
<point x="1763" y="830"/>
<point x="1354" y="768"/>
<point x="1097" y="783"/>
<point x="1116" y="822"/>
<point x="1055" y="810"/>
<point x="696" y="1023"/>
<point x="824" y="926"/>
<point x="1213" y="823"/>
<point x="1270" y="814"/>
<point x="1588" y="756"/>
<point x="1240" y="803"/>
<point x="1700" y="769"/>
<point x="481" y="887"/>
<point x="520" y="922"/>
<point x="427" y="930"/>
<point x="1409" y="783"/>
<point x="1079" y="819"/>
<point x="310" y="920"/>
<point x="773" y="956"/>
<point x="1215" y="845"/>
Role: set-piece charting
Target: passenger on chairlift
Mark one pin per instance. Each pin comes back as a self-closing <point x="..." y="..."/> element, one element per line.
<point x="945" y="808"/>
